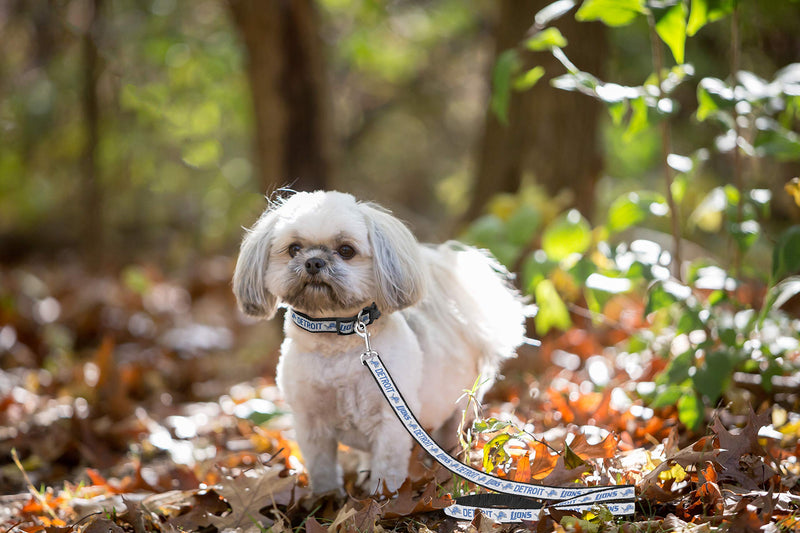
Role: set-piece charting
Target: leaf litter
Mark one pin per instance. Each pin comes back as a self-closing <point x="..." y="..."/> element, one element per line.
<point x="121" y="409"/>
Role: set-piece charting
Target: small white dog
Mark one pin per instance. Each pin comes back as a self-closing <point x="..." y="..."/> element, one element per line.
<point x="446" y="312"/>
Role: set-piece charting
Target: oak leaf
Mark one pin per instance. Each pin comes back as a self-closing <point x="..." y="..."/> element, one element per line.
<point x="741" y="455"/>
<point x="247" y="494"/>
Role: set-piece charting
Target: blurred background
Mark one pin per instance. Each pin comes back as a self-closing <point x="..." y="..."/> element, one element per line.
<point x="139" y="129"/>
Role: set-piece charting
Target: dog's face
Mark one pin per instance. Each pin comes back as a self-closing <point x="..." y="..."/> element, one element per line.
<point x="325" y="254"/>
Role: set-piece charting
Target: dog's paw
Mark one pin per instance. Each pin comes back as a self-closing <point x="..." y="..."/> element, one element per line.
<point x="388" y="482"/>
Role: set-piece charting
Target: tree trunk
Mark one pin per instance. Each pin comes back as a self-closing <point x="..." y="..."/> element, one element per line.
<point x="293" y="142"/>
<point x="551" y="134"/>
<point x="92" y="236"/>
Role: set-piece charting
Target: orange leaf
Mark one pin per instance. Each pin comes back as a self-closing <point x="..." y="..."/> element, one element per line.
<point x="604" y="449"/>
<point x="543" y="461"/>
<point x="523" y="473"/>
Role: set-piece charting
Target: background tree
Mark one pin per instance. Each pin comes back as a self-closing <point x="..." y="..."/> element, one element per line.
<point x="532" y="138"/>
<point x="290" y="95"/>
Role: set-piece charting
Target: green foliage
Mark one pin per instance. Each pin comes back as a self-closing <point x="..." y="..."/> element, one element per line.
<point x="546" y="40"/>
<point x="699" y="325"/>
<point x="671" y="27"/>
<point x="634" y="208"/>
<point x="507" y="65"/>
<point x="786" y="254"/>
<point x="568" y="234"/>
<point x="705" y="11"/>
<point x="611" y="12"/>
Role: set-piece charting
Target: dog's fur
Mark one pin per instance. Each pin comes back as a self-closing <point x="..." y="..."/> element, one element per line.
<point x="448" y="315"/>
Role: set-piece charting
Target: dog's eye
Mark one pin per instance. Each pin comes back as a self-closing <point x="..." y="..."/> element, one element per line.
<point x="346" y="251"/>
<point x="294" y="249"/>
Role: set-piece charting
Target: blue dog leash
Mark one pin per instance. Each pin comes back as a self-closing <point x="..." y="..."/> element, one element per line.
<point x="512" y="501"/>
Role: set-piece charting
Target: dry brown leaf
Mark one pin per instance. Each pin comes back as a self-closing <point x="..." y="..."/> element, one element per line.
<point x="561" y="474"/>
<point x="741" y="456"/>
<point x="604" y="449"/>
<point x="543" y="461"/>
<point x="407" y="502"/>
<point x="247" y="494"/>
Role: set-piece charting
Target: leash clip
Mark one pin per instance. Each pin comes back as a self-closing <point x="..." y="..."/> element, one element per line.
<point x="361" y="331"/>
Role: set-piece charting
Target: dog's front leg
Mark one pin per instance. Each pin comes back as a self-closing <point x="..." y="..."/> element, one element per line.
<point x="319" y="446"/>
<point x="390" y="454"/>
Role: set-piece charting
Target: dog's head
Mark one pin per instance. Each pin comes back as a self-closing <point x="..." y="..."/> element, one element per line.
<point x="324" y="253"/>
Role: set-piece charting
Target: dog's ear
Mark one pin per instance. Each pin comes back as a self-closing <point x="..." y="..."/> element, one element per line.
<point x="396" y="259"/>
<point x="249" y="278"/>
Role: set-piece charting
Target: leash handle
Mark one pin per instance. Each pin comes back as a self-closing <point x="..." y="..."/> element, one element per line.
<point x="618" y="498"/>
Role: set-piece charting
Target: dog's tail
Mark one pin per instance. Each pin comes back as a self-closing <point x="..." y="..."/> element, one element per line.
<point x="480" y="300"/>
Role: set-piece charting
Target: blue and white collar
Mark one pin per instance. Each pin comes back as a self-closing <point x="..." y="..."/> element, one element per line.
<point x="341" y="326"/>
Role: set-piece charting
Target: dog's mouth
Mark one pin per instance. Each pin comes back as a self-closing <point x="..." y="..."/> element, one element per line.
<point x="313" y="295"/>
<point x="318" y="285"/>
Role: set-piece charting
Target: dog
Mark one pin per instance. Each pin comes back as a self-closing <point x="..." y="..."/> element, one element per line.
<point x="448" y="314"/>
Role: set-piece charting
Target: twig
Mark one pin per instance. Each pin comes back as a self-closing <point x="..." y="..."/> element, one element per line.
<point x="35" y="493"/>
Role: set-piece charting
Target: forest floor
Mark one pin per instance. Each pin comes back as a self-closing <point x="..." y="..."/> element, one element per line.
<point x="142" y="402"/>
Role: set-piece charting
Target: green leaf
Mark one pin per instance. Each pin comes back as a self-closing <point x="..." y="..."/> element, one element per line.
<point x="662" y="294"/>
<point x="489" y="425"/>
<point x="690" y="411"/>
<point x="486" y="230"/>
<point x="552" y="311"/>
<point x="774" y="140"/>
<point x="713" y="95"/>
<point x="507" y="65"/>
<point x="745" y="233"/>
<point x="639" y="121"/>
<point x="611" y="12"/>
<point x="525" y="81"/>
<point x="522" y="224"/>
<point x="494" y="452"/>
<point x="712" y="377"/>
<point x="678" y="369"/>
<point x="706" y="106"/>
<point x="618" y="110"/>
<point x="671" y="27"/>
<point x="568" y="234"/>
<point x="786" y="254"/>
<point x="202" y="154"/>
<point x="784" y="291"/>
<point x="633" y="208"/>
<point x="669" y="396"/>
<point x="706" y="11"/>
<point x="546" y="39"/>
<point x="536" y="267"/>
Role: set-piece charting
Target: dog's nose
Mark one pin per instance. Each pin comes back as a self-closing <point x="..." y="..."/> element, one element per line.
<point x="314" y="264"/>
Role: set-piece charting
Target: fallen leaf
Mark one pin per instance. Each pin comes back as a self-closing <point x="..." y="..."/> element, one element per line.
<point x="494" y="452"/>
<point x="604" y="449"/>
<point x="102" y="525"/>
<point x="247" y="494"/>
<point x="523" y="470"/>
<point x="741" y="456"/>
<point x="407" y="502"/>
<point x="543" y="461"/>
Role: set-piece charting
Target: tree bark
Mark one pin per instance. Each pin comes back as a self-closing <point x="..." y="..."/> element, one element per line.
<point x="551" y="134"/>
<point x="285" y="66"/>
<point x="92" y="235"/>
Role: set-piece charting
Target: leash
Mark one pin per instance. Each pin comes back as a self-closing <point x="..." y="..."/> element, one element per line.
<point x="513" y="501"/>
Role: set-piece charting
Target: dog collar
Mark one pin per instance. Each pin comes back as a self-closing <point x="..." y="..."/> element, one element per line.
<point x="341" y="326"/>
